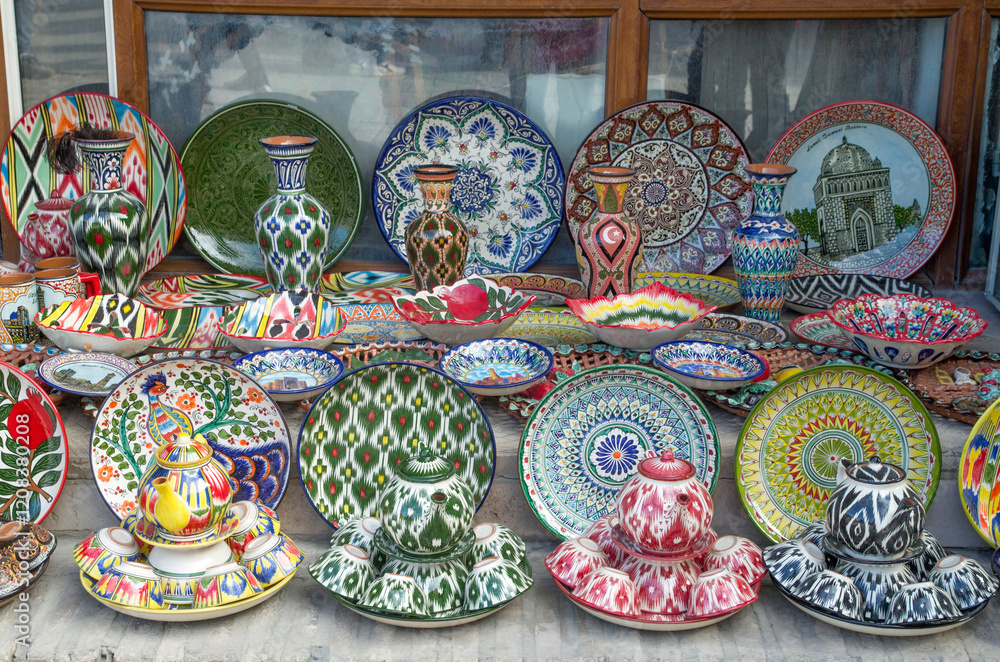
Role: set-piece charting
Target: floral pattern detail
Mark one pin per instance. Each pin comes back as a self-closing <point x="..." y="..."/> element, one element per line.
<point x="616" y="454"/>
<point x="668" y="195"/>
<point x="473" y="191"/>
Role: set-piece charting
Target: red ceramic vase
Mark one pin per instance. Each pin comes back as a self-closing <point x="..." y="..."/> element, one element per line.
<point x="609" y="244"/>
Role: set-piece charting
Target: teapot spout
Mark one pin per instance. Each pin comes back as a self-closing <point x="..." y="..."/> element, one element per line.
<point x="170" y="511"/>
<point x="842" y="468"/>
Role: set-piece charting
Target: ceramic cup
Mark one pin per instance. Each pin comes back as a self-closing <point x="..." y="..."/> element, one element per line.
<point x="129" y="523"/>
<point x="180" y="568"/>
<point x="717" y="592"/>
<point x="54" y="263"/>
<point x="346" y="570"/>
<point x="575" y="558"/>
<point x="792" y="561"/>
<point x="964" y="580"/>
<point x="492" y="582"/>
<point x="58" y="285"/>
<point x="271" y="558"/>
<point x="736" y="554"/>
<point x="498" y="540"/>
<point x="664" y="586"/>
<point x="443" y="583"/>
<point x="395" y="594"/>
<point x="878" y="584"/>
<point x="132" y="584"/>
<point x="224" y="584"/>
<point x="600" y="532"/>
<point x="357" y="532"/>
<point x="104" y="549"/>
<point x="609" y="590"/>
<point x="18" y="307"/>
<point x="832" y="592"/>
<point x="922" y="602"/>
<point x="255" y="519"/>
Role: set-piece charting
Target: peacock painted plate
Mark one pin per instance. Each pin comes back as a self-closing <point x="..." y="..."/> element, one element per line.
<point x="375" y="417"/>
<point x="689" y="191"/>
<point x="588" y="435"/>
<point x="551" y="328"/>
<point x="818" y="329"/>
<point x="795" y="438"/>
<point x="735" y="330"/>
<point x="713" y="290"/>
<point x="187" y="396"/>
<point x="508" y="192"/>
<point x="151" y="169"/>
<point x="979" y="478"/>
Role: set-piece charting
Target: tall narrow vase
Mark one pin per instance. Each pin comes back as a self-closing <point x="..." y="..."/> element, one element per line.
<point x="436" y="241"/>
<point x="609" y="244"/>
<point x="765" y="245"/>
<point x="110" y="225"/>
<point x="292" y="227"/>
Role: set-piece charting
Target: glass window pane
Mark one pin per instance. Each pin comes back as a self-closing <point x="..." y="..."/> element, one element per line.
<point x="364" y="75"/>
<point x="763" y="76"/>
<point x="988" y="170"/>
<point x="61" y="48"/>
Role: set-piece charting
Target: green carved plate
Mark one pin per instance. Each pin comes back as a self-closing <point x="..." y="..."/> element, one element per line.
<point x="229" y="176"/>
<point x="373" y="418"/>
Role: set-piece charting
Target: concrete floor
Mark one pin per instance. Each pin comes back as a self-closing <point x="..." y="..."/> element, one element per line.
<point x="304" y="622"/>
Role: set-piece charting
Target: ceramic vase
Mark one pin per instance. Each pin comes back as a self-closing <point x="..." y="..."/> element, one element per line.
<point x="292" y="226"/>
<point x="765" y="245"/>
<point x="109" y="224"/>
<point x="609" y="244"/>
<point x="436" y="242"/>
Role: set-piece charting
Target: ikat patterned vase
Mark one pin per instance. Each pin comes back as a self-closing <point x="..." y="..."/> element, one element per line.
<point x="436" y="241"/>
<point x="765" y="245"/>
<point x="292" y="226"/>
<point x="109" y="224"/>
<point x="609" y="244"/>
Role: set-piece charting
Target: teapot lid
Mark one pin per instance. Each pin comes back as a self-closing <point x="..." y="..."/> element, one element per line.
<point x="55" y="203"/>
<point x="874" y="470"/>
<point x="666" y="467"/>
<point x="184" y="452"/>
<point x="425" y="467"/>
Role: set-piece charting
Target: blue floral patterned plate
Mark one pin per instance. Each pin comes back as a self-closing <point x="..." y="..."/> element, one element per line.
<point x="291" y="374"/>
<point x="587" y="436"/>
<point x="497" y="366"/>
<point x="709" y="365"/>
<point x="509" y="192"/>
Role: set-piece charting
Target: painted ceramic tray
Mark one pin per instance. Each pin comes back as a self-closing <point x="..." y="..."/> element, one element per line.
<point x="818" y="329"/>
<point x="428" y="623"/>
<point x="885" y="183"/>
<point x="588" y="435"/>
<point x="202" y="290"/>
<point x="956" y="399"/>
<point x="508" y="193"/>
<point x="794" y="439"/>
<point x="151" y="169"/>
<point x="689" y="190"/>
<point x="33" y="448"/>
<point x="229" y="176"/>
<point x="735" y="330"/>
<point x="713" y="290"/>
<point x="375" y="417"/>
<point x="812" y="294"/>
<point x="979" y="478"/>
<point x="548" y="289"/>
<point x="373" y="322"/>
<point x="189" y="396"/>
<point x="551" y="328"/>
<point x="85" y="374"/>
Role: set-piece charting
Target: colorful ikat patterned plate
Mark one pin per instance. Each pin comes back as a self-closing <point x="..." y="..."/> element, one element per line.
<point x="979" y="478"/>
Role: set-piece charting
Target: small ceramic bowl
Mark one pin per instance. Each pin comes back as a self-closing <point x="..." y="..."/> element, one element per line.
<point x="609" y="590"/>
<point x="291" y="318"/>
<point x="291" y="374"/>
<point x="103" y="549"/>
<point x="395" y="594"/>
<point x="574" y="559"/>
<point x="964" y="580"/>
<point x="790" y="562"/>
<point x="494" y="581"/>
<point x="664" y="587"/>
<point x="709" y="365"/>
<point x="111" y="324"/>
<point x="832" y="592"/>
<point x="442" y="582"/>
<point x="601" y="532"/>
<point x="814" y="533"/>
<point x="180" y="569"/>
<point x="878" y="584"/>
<point x="905" y="331"/>
<point x="271" y="558"/>
<point x="359" y="531"/>
<point x="256" y="519"/>
<point x="648" y="317"/>
<point x="498" y="540"/>
<point x="933" y="552"/>
<point x="718" y="591"/>
<point x="738" y="555"/>
<point x="224" y="584"/>
<point x="922" y="602"/>
<point x="129" y="523"/>
<point x="346" y="570"/>
<point x="131" y="584"/>
<point x="497" y="366"/>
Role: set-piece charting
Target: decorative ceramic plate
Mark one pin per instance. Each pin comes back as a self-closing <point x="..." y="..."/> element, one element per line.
<point x="86" y="374"/>
<point x="958" y="400"/>
<point x="549" y="290"/>
<point x="373" y="322"/>
<point x="111" y="323"/>
<point x="812" y="294"/>
<point x="202" y="290"/>
<point x="497" y="366"/>
<point x="508" y="192"/>
<point x="818" y="329"/>
<point x="188" y="396"/>
<point x="689" y="189"/>
<point x="735" y="330"/>
<point x="375" y="417"/>
<point x="34" y="448"/>
<point x="886" y="187"/>
<point x="588" y="435"/>
<point x="713" y="290"/>
<point x="430" y="623"/>
<point x="551" y="328"/>
<point x="230" y="176"/>
<point x="358" y="282"/>
<point x="795" y="438"/>
<point x="151" y="169"/>
<point x="292" y="373"/>
<point x="979" y="478"/>
<point x="193" y="328"/>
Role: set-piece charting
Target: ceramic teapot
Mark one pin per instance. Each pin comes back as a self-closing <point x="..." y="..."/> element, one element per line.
<point x="874" y="511"/>
<point x="185" y="491"/>
<point x="426" y="508"/>
<point x="664" y="507"/>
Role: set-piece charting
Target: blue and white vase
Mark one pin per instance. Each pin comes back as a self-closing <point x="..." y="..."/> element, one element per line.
<point x="292" y="227"/>
<point x="765" y="245"/>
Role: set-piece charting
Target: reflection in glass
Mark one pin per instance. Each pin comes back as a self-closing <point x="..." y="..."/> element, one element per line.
<point x="364" y="75"/>
<point x="988" y="170"/>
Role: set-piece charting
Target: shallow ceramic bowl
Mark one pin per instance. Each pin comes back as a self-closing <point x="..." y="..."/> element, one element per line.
<point x="28" y="543"/>
<point x="473" y="308"/>
<point x="933" y="552"/>
<point x="493" y="581"/>
<point x="346" y="570"/>
<point x="738" y="555"/>
<point x="256" y="519"/>
<point x="922" y="602"/>
<point x="395" y="594"/>
<point x="905" y="331"/>
<point x="664" y="587"/>
<point x="792" y="561"/>
<point x="964" y="580"/>
<point x="497" y="366"/>
<point x="832" y="592"/>
<point x="132" y="584"/>
<point x="650" y="316"/>
<point x="718" y="591"/>
<point x="709" y="366"/>
<point x="602" y="532"/>
<point x="574" y="559"/>
<point x="609" y="590"/>
<point x="291" y="318"/>
<point x="359" y="532"/>
<point x="814" y="533"/>
<point x="112" y="324"/>
<point x="224" y="584"/>
<point x="878" y="584"/>
<point x="497" y="540"/>
<point x="291" y="374"/>
<point x="442" y="582"/>
<point x="104" y="549"/>
<point x="271" y="558"/>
